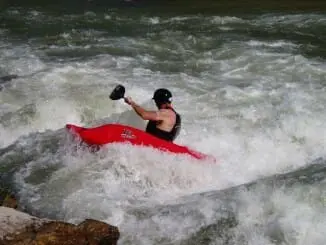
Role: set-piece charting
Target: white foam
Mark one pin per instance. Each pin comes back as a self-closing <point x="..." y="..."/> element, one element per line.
<point x="298" y="20"/>
<point x="20" y="60"/>
<point x="152" y="20"/>
<point x="273" y="44"/>
<point x="226" y="20"/>
<point x="294" y="217"/>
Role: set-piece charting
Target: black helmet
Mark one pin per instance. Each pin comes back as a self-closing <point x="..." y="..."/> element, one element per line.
<point x="162" y="95"/>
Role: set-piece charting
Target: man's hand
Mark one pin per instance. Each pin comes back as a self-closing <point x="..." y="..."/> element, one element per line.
<point x="128" y="100"/>
<point x="144" y="114"/>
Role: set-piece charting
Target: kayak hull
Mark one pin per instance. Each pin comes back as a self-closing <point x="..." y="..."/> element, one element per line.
<point x="118" y="133"/>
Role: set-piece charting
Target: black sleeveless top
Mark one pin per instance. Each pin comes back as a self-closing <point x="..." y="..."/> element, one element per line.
<point x="165" y="135"/>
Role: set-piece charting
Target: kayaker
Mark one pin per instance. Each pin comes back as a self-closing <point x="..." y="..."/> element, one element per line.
<point x="164" y="123"/>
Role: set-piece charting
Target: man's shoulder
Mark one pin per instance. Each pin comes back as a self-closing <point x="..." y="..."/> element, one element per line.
<point x="167" y="113"/>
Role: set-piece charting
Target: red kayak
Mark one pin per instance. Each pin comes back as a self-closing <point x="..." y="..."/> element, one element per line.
<point x="117" y="133"/>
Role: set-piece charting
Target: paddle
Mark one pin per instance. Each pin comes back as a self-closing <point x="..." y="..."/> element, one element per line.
<point x="118" y="92"/>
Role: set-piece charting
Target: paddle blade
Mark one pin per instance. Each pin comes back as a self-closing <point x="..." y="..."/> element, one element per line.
<point x="118" y="92"/>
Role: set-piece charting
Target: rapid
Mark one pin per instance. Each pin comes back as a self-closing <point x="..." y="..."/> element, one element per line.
<point x="251" y="92"/>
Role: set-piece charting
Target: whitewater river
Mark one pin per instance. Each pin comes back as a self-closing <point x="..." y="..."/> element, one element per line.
<point x="251" y="90"/>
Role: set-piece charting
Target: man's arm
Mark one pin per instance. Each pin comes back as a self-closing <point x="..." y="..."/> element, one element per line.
<point x="144" y="114"/>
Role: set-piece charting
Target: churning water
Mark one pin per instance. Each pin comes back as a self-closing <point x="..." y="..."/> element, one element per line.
<point x="251" y="92"/>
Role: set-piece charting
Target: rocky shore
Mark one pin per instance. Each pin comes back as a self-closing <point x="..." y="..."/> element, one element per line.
<point x="19" y="228"/>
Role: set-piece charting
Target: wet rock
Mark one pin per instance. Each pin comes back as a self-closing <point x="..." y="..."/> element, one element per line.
<point x="10" y="202"/>
<point x="13" y="223"/>
<point x="99" y="232"/>
<point x="18" y="228"/>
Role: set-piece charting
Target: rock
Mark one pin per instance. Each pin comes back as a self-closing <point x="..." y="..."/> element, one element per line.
<point x="56" y="233"/>
<point x="10" y="202"/>
<point x="17" y="228"/>
<point x="13" y="222"/>
<point x="99" y="232"/>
